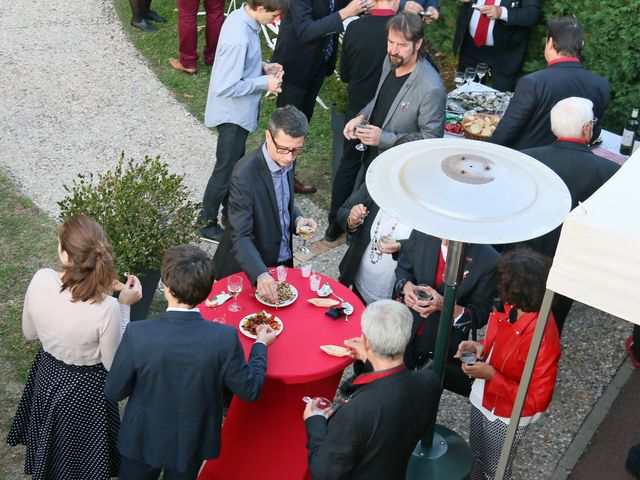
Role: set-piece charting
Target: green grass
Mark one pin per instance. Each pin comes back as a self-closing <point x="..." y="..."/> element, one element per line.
<point x="314" y="165"/>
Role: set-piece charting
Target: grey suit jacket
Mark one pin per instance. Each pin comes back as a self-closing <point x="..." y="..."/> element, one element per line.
<point x="417" y="111"/>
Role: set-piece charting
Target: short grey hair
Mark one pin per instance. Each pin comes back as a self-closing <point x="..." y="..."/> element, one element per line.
<point x="387" y="326"/>
<point x="568" y="116"/>
<point x="290" y="120"/>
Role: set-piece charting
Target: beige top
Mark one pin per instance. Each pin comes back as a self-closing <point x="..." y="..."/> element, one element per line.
<point x="77" y="333"/>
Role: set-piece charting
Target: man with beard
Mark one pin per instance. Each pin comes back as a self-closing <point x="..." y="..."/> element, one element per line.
<point x="410" y="98"/>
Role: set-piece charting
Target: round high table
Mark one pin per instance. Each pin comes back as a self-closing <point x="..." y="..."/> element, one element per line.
<point x="266" y="439"/>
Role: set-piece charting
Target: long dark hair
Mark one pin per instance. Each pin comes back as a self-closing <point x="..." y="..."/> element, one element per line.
<point x="91" y="271"/>
<point x="411" y="27"/>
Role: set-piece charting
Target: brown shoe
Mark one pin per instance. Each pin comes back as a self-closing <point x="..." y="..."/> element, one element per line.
<point x="178" y="66"/>
<point x="300" y="187"/>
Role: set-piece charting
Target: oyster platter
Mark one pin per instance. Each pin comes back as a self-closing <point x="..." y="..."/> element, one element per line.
<point x="478" y="101"/>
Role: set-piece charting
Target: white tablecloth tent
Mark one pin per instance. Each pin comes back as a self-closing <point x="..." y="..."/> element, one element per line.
<point x="597" y="263"/>
<point x="598" y="257"/>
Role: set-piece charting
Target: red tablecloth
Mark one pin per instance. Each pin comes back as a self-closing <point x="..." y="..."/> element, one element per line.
<point x="266" y="439"/>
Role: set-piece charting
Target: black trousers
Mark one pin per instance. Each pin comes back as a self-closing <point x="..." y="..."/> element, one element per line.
<point x="303" y="97"/>
<point x="230" y="148"/>
<point x="131" y="469"/>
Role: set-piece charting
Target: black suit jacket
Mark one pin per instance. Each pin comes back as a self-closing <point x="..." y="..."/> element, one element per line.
<point x="373" y="434"/>
<point x="526" y="122"/>
<point x="509" y="38"/>
<point x="302" y="37"/>
<point x="174" y="369"/>
<point x="360" y="238"/>
<point x="418" y="263"/>
<point x="582" y="172"/>
<point x="251" y="242"/>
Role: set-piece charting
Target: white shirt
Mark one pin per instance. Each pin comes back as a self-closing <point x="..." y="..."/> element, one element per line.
<point x="375" y="281"/>
<point x="475" y="18"/>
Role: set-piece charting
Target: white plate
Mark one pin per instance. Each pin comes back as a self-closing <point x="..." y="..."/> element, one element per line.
<point x="284" y="304"/>
<point x="250" y="335"/>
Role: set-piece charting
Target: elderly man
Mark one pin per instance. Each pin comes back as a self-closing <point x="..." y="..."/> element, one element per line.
<point x="262" y="214"/>
<point x="495" y="33"/>
<point x="526" y="122"/>
<point x="373" y="434"/>
<point x="583" y="172"/>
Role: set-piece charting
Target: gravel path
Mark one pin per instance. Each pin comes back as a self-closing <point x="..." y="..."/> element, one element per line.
<point x="76" y="93"/>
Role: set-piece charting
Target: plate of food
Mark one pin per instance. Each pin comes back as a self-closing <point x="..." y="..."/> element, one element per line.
<point x="287" y="294"/>
<point x="249" y="323"/>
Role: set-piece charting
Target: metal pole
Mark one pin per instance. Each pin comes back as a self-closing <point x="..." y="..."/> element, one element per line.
<point x="453" y="274"/>
<point x="525" y="380"/>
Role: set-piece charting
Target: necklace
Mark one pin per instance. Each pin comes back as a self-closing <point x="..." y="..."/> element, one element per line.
<point x="374" y="254"/>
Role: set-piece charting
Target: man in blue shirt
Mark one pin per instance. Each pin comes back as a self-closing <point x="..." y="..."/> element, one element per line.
<point x="262" y="214"/>
<point x="238" y="79"/>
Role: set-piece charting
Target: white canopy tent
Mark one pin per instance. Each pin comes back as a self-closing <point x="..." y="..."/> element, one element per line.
<point x="597" y="263"/>
<point x="598" y="258"/>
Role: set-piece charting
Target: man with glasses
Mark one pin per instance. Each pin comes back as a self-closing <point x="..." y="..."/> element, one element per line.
<point x="572" y="122"/>
<point x="262" y="214"/>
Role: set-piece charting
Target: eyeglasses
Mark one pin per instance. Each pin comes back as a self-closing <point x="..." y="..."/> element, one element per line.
<point x="593" y="121"/>
<point x="283" y="150"/>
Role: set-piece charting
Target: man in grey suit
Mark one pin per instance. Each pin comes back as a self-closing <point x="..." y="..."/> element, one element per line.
<point x="410" y="98"/>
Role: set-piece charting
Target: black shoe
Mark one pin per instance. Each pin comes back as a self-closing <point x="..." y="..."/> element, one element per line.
<point x="332" y="232"/>
<point x="155" y="17"/>
<point x="144" y="26"/>
<point x="212" y="233"/>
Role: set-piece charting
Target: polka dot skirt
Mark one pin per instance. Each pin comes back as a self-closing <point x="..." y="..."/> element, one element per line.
<point x="68" y="426"/>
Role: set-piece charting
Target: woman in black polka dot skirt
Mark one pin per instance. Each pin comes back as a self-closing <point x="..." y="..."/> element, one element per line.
<point x="65" y="421"/>
<point x="501" y="356"/>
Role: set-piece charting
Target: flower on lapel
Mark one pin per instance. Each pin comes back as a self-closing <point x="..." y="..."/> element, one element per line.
<point x="464" y="274"/>
<point x="403" y="105"/>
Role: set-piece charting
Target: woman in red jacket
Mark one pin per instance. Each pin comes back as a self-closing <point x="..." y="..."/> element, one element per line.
<point x="501" y="355"/>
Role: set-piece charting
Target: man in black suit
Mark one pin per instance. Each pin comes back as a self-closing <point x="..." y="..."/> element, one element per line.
<point x="582" y="171"/>
<point x="262" y="214"/>
<point x="373" y="434"/>
<point x="174" y="369"/>
<point x="421" y="266"/>
<point x="307" y="49"/>
<point x="496" y="34"/>
<point x="526" y="121"/>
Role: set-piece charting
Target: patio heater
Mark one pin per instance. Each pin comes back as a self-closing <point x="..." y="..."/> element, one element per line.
<point x="467" y="192"/>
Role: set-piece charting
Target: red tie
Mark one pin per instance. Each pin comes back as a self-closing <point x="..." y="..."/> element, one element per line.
<point x="439" y="271"/>
<point x="480" y="38"/>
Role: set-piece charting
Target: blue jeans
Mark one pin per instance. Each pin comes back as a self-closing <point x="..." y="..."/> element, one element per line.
<point x="229" y="149"/>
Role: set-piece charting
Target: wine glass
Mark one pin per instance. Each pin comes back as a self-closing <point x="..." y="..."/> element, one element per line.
<point x="234" y="284"/>
<point x="469" y="75"/>
<point x="306" y="232"/>
<point x="481" y="70"/>
<point x="361" y="147"/>
<point x="459" y="79"/>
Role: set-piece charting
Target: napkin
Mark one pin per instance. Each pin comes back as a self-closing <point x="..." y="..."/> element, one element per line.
<point x="335" y="312"/>
<point x="217" y="300"/>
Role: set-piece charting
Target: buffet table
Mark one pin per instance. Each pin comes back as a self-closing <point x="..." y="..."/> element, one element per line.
<point x="267" y="439"/>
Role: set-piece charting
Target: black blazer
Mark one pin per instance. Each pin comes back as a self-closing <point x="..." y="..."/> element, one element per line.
<point x="582" y="172"/>
<point x="174" y="369"/>
<point x="510" y="38"/>
<point x="526" y="122"/>
<point x="303" y="33"/>
<point x="360" y="238"/>
<point x="418" y="263"/>
<point x="373" y="434"/>
<point x="251" y="242"/>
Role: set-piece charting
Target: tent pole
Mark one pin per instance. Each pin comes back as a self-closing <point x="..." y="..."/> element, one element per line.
<point x="525" y="380"/>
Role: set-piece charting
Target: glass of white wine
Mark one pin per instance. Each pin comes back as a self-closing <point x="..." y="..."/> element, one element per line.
<point x="481" y="70"/>
<point x="305" y="232"/>
<point x="361" y="147"/>
<point x="459" y="79"/>
<point x="469" y="75"/>
<point x="234" y="284"/>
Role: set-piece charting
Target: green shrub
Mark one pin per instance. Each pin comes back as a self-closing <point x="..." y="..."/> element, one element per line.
<point x="143" y="207"/>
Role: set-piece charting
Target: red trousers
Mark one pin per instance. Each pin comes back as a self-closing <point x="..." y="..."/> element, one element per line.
<point x="188" y="30"/>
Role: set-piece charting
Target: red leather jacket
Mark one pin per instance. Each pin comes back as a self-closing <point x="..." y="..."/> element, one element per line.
<point x="509" y="345"/>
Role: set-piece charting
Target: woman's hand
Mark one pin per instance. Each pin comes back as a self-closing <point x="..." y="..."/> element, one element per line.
<point x="130" y="292"/>
<point x="470" y="346"/>
<point x="480" y="370"/>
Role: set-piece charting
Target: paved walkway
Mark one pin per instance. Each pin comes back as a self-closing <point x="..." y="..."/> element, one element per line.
<point x="75" y="93"/>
